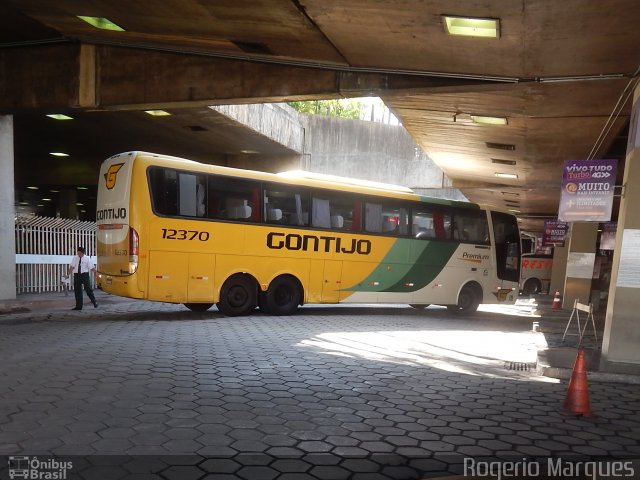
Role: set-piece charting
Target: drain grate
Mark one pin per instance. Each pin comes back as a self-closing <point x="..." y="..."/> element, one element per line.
<point x="519" y="366"/>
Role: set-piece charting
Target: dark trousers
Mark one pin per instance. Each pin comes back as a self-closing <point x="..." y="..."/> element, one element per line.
<point x="82" y="280"/>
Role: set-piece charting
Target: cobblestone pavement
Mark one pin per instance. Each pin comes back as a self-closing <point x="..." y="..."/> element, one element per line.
<point x="148" y="390"/>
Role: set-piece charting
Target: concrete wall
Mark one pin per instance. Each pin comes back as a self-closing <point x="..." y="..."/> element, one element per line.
<point x="369" y="151"/>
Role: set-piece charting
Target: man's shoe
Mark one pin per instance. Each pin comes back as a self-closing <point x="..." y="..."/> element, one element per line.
<point x="95" y="304"/>
<point x="76" y="308"/>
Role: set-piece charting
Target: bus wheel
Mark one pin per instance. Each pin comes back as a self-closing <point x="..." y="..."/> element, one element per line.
<point x="283" y="296"/>
<point x="238" y="296"/>
<point x="468" y="300"/>
<point x="531" y="286"/>
<point x="198" y="307"/>
<point x="419" y="306"/>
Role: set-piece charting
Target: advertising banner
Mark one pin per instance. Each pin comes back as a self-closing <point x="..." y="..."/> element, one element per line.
<point x="587" y="190"/>
<point x="554" y="233"/>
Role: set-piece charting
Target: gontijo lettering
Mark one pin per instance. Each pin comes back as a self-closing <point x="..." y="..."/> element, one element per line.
<point x="293" y="241"/>
<point x="111" y="213"/>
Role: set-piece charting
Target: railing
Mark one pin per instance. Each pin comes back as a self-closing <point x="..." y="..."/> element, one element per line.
<point x="44" y="248"/>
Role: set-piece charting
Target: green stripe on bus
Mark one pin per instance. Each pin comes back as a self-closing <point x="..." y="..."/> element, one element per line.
<point x="408" y="266"/>
<point x="426" y="268"/>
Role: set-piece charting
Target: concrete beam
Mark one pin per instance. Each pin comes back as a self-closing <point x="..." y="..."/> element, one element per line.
<point x="118" y="78"/>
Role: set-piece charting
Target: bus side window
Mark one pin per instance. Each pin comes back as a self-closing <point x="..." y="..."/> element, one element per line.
<point x="320" y="213"/>
<point x="442" y="225"/>
<point x="163" y="183"/>
<point x="233" y="199"/>
<point x="335" y="211"/>
<point x="422" y="224"/>
<point x="188" y="195"/>
<point x="373" y="217"/>
<point x="286" y="206"/>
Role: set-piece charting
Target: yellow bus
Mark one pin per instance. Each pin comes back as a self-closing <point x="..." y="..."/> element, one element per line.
<point x="174" y="230"/>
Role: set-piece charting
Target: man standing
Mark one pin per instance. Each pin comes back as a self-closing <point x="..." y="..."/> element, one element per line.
<point x="80" y="266"/>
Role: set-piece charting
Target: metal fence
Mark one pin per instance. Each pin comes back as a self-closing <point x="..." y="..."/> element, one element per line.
<point x="44" y="248"/>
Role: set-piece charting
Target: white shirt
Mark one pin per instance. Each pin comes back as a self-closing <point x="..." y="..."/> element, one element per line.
<point x="86" y="263"/>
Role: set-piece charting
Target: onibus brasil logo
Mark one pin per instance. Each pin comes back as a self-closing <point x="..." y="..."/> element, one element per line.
<point x="36" y="469"/>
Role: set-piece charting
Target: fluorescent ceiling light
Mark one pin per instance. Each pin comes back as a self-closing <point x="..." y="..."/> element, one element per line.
<point x="59" y="116"/>
<point x="472" y="26"/>
<point x="484" y="120"/>
<point x="101" y="23"/>
<point x="513" y="210"/>
<point x="46" y="199"/>
<point x="157" y="113"/>
<point x="83" y="188"/>
<point x="59" y="154"/>
<point x="79" y="204"/>
<point x="33" y="188"/>
<point x="506" y="175"/>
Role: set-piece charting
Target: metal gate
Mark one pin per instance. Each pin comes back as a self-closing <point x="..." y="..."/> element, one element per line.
<point x="44" y="248"/>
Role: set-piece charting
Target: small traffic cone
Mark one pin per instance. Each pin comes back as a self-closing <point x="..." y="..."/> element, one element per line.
<point x="577" y="401"/>
<point x="556" y="301"/>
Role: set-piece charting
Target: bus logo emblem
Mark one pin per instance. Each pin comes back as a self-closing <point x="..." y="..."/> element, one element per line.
<point x="110" y="176"/>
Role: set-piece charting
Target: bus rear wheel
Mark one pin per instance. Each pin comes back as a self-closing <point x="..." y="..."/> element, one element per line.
<point x="468" y="300"/>
<point x="238" y="296"/>
<point x="283" y="296"/>
<point x="532" y="286"/>
<point x="198" y="307"/>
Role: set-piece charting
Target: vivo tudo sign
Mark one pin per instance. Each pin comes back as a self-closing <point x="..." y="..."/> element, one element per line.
<point x="587" y="190"/>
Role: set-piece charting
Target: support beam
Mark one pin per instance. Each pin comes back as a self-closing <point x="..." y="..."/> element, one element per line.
<point x="118" y="78"/>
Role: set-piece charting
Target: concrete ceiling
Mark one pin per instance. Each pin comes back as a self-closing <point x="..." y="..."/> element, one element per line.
<point x="556" y="72"/>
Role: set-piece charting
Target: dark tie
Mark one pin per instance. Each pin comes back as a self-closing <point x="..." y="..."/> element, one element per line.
<point x="80" y="265"/>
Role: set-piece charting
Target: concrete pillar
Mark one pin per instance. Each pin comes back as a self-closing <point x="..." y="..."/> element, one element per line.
<point x="621" y="341"/>
<point x="580" y="261"/>
<point x="7" y="211"/>
<point x="559" y="270"/>
<point x="67" y="205"/>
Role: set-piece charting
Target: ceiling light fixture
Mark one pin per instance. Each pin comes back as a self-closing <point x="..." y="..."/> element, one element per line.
<point x="503" y="162"/>
<point x="157" y="113"/>
<point x="484" y="120"/>
<point x="471" y="26"/>
<point x="59" y="116"/>
<point x="500" y="146"/>
<point x="506" y="175"/>
<point x="101" y="23"/>
<point x="33" y="188"/>
<point x="513" y="210"/>
<point x="59" y="154"/>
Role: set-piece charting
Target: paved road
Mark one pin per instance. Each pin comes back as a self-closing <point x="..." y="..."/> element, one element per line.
<point x="147" y="390"/>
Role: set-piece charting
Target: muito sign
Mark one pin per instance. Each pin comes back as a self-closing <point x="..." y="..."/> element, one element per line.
<point x="587" y="190"/>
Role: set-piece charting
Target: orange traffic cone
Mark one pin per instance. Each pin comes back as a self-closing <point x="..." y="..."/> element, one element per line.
<point x="556" y="301"/>
<point x="577" y="401"/>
